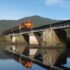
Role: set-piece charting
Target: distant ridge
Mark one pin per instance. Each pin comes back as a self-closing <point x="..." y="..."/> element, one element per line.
<point x="36" y="20"/>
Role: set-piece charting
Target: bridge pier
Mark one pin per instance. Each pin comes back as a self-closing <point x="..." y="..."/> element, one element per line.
<point x="34" y="43"/>
<point x="52" y="39"/>
<point x="13" y="39"/>
<point x="19" y="39"/>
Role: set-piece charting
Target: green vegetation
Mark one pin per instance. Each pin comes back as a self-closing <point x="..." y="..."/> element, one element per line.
<point x="2" y="39"/>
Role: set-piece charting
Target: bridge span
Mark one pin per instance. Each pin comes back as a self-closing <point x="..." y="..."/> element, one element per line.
<point x="57" y="25"/>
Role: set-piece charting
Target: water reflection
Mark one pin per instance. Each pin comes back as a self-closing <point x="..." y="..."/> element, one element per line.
<point x="59" y="57"/>
<point x="13" y="65"/>
<point x="8" y="63"/>
<point x="16" y="48"/>
<point x="67" y="63"/>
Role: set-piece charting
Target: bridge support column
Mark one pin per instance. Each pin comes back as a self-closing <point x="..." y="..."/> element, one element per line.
<point x="13" y="39"/>
<point x="25" y="39"/>
<point x="20" y="39"/>
<point x="33" y="43"/>
<point x="52" y="38"/>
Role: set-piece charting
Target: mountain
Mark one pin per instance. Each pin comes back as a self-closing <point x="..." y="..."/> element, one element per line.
<point x="6" y="24"/>
<point x="36" y="20"/>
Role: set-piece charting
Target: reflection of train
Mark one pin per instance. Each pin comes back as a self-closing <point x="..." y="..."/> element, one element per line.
<point x="25" y="25"/>
<point x="24" y="62"/>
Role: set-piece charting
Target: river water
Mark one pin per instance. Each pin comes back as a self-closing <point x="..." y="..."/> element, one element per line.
<point x="8" y="63"/>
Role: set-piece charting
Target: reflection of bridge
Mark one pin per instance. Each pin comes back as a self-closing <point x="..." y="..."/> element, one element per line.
<point x="52" y="57"/>
<point x="51" y="35"/>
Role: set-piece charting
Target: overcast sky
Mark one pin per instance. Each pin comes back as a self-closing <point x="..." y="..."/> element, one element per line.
<point x="16" y="9"/>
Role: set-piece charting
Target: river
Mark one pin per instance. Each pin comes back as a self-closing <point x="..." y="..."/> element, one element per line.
<point x="8" y="63"/>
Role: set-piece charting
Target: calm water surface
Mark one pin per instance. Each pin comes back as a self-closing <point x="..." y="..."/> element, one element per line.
<point x="7" y="63"/>
<point x="67" y="63"/>
<point x="11" y="64"/>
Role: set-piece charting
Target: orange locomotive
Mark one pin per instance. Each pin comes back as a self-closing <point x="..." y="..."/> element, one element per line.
<point x="27" y="63"/>
<point x="25" y="25"/>
<point x="24" y="62"/>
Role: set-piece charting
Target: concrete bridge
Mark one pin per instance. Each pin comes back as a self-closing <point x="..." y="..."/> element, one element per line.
<point x="51" y="35"/>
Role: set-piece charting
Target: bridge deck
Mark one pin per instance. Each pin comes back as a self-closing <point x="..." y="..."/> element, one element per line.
<point x="57" y="25"/>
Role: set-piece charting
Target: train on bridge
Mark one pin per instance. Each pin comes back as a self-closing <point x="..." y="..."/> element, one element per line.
<point x="27" y="25"/>
<point x="23" y="26"/>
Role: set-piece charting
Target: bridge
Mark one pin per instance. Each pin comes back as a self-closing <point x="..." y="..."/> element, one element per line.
<point x="57" y="25"/>
<point x="50" y="35"/>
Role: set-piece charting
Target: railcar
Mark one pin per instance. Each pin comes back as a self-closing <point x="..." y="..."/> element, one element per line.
<point x="25" y="25"/>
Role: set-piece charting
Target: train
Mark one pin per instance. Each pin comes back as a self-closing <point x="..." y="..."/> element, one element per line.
<point x="25" y="25"/>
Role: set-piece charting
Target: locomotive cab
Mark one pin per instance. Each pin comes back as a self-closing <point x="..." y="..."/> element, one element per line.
<point x="26" y="25"/>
